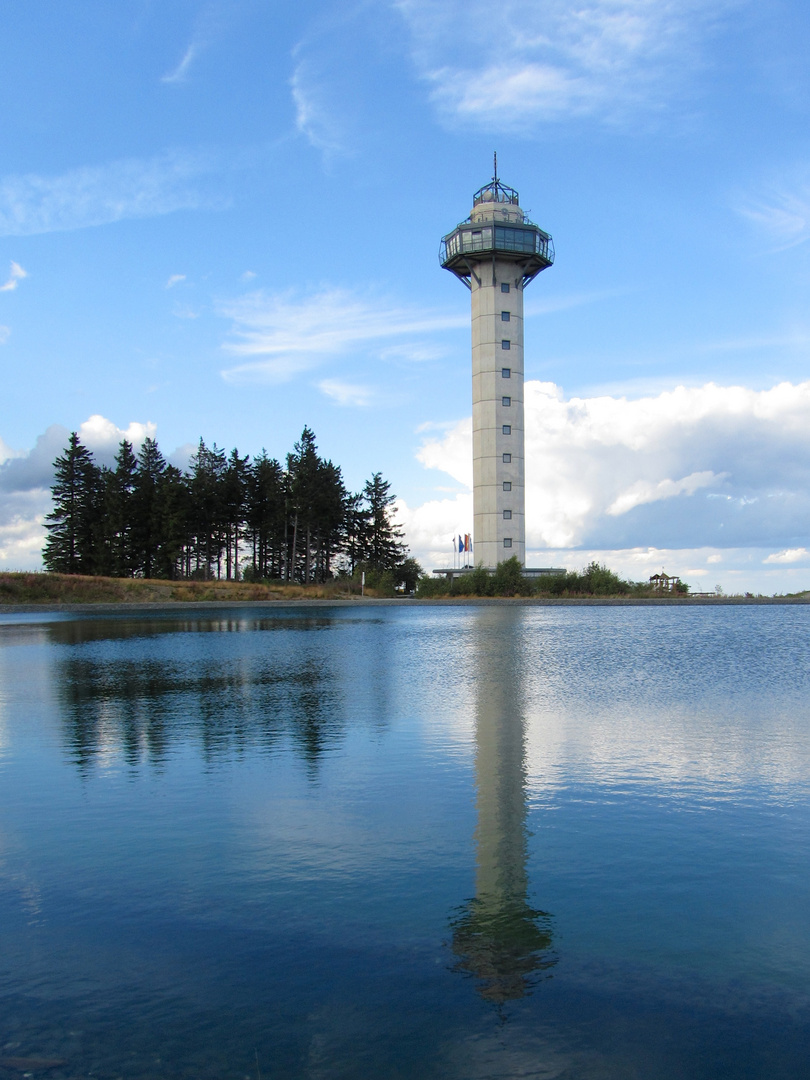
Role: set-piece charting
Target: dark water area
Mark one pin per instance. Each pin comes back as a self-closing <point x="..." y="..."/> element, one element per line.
<point x="406" y="842"/>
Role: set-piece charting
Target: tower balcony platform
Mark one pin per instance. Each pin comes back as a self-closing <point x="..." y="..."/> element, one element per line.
<point x="474" y="242"/>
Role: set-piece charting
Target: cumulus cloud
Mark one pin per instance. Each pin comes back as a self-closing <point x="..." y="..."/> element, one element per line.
<point x="175" y="279"/>
<point x="643" y="491"/>
<point x="792" y="555"/>
<point x="291" y="335"/>
<point x="16" y="274"/>
<point x="99" y="195"/>
<point x="524" y="61"/>
<point x="710" y="466"/>
<point x="26" y="479"/>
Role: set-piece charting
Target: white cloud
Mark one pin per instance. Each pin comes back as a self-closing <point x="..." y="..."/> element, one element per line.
<point x="16" y="274"/>
<point x="792" y="555"/>
<point x="102" y="436"/>
<point x="524" y="61"/>
<point x="600" y="470"/>
<point x="5" y="334"/>
<point x="175" y="279"/>
<point x="181" y="71"/>
<point x="248" y="275"/>
<point x="344" y="393"/>
<point x="99" y="195"/>
<point x="295" y="335"/>
<point x="22" y="529"/>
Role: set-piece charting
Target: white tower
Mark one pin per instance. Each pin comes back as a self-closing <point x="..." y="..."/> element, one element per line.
<point x="496" y="252"/>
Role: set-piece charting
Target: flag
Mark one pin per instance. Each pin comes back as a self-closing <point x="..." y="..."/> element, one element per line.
<point x="461" y="544"/>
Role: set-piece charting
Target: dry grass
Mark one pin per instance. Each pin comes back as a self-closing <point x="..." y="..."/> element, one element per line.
<point x="44" y="588"/>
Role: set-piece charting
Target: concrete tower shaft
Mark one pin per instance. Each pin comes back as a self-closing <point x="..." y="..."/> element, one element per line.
<point x="496" y="252"/>
<point x="497" y="400"/>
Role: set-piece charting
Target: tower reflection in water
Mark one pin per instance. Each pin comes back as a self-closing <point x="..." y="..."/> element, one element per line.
<point x="497" y="935"/>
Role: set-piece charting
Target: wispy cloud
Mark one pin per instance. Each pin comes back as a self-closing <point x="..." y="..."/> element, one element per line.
<point x="293" y="335"/>
<point x="780" y="209"/>
<point x="316" y="117"/>
<point x="5" y="334"/>
<point x="180" y="73"/>
<point x="16" y="274"/>
<point x="99" y="195"/>
<point x="343" y="393"/>
<point x="175" y="279"/>
<point x="524" y="61"/>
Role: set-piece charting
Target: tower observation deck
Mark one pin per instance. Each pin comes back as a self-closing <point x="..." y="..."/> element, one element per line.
<point x="496" y="252"/>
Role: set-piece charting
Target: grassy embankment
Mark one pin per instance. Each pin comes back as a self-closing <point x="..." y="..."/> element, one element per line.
<point x="46" y="588"/>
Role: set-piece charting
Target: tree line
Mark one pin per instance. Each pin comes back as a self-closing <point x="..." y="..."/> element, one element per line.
<point x="224" y="517"/>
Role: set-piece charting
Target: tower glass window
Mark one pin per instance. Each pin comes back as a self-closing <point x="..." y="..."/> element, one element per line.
<point x="507" y="485"/>
<point x="506" y="429"/>
<point x="506" y="402"/>
<point x="507" y="541"/>
<point x="504" y="286"/>
<point x="506" y="344"/>
<point x="505" y="316"/>
<point x="507" y="458"/>
<point x="507" y="515"/>
<point x="506" y="373"/>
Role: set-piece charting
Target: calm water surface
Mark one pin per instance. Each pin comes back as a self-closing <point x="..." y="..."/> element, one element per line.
<point x="406" y="842"/>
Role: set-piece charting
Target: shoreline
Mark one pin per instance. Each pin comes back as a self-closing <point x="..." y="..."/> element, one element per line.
<point x="135" y="607"/>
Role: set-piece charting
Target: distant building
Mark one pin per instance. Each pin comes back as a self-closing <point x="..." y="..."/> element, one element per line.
<point x="665" y="582"/>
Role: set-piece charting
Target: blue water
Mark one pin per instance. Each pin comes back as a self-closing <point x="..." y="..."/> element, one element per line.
<point x="396" y="842"/>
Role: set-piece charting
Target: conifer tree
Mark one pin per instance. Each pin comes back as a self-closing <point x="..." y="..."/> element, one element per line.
<point x="69" y="548"/>
<point x="148" y="512"/>
<point x="384" y="546"/>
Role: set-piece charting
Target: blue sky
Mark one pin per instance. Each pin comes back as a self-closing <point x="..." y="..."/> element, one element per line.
<point x="222" y="220"/>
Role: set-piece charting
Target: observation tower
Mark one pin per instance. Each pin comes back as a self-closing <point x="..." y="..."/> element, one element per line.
<point x="497" y="252"/>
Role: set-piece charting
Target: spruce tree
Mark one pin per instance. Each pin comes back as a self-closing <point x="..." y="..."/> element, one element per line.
<point x="69" y="547"/>
<point x="384" y="545"/>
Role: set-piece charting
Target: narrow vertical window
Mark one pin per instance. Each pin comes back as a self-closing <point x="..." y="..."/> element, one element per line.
<point x="505" y="316"/>
<point x="506" y="402"/>
<point x="507" y="515"/>
<point x="504" y="286"/>
<point x="506" y="373"/>
<point x="507" y="485"/>
<point x="506" y="429"/>
<point x="507" y="458"/>
<point x="507" y="541"/>
<point x="506" y="344"/>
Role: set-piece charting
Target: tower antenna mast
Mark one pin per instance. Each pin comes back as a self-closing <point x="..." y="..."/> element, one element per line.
<point x="495" y="165"/>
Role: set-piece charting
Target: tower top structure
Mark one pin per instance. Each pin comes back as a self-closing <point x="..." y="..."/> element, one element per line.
<point x="498" y="229"/>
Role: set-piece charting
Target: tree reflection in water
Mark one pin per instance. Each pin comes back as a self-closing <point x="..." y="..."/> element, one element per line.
<point x="497" y="935"/>
<point x="145" y="705"/>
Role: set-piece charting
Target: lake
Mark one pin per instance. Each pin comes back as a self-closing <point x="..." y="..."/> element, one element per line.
<point x="406" y="842"/>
